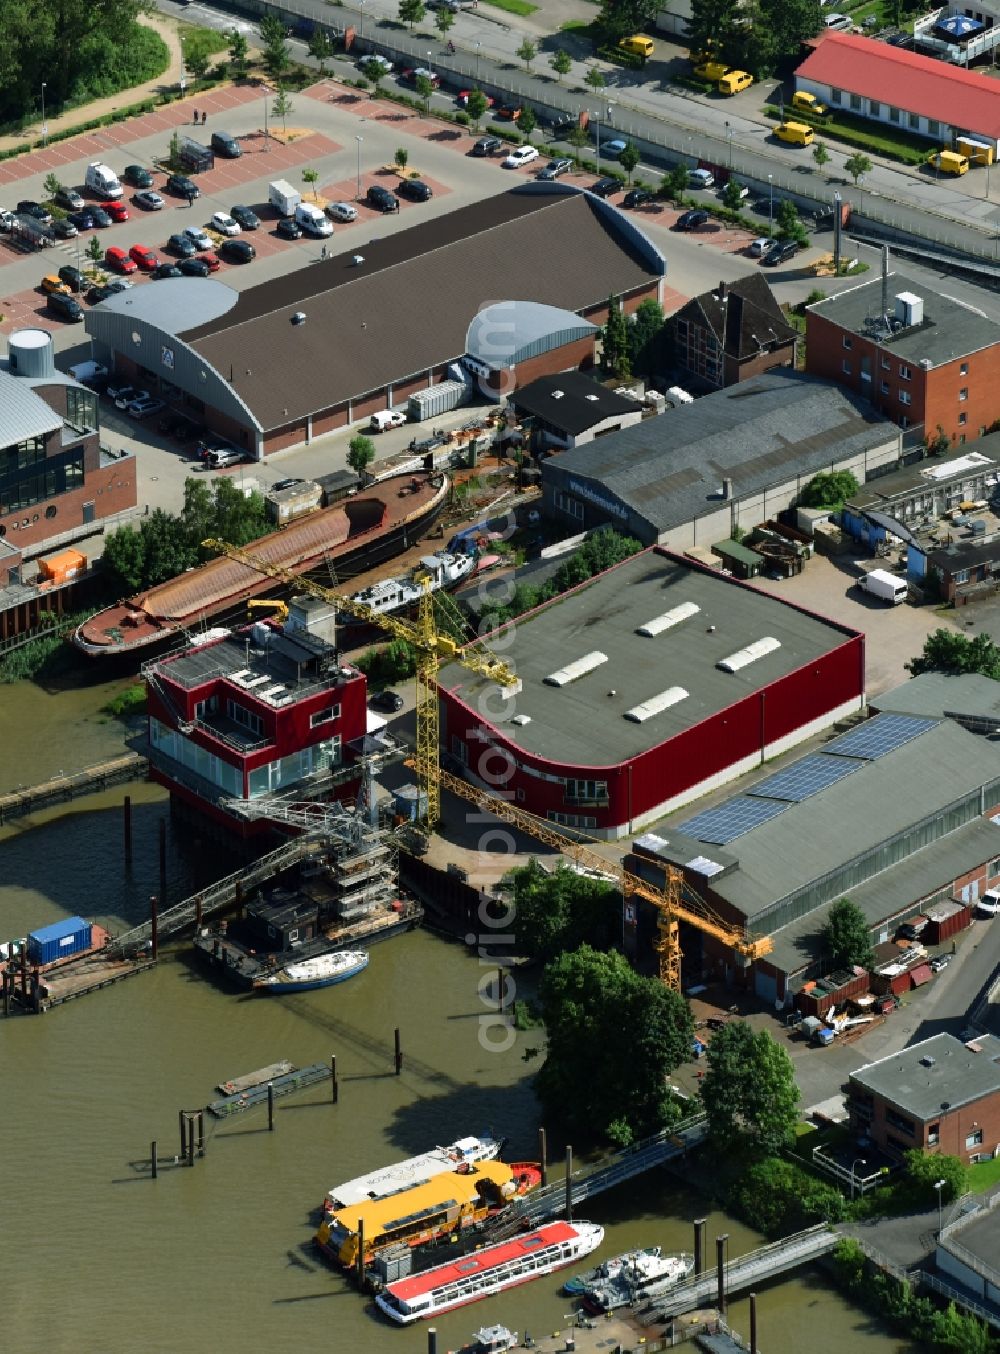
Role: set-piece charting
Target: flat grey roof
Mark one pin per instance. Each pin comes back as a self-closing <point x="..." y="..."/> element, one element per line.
<point x="812" y="838"/>
<point x="950" y="329"/>
<point x="942" y="693"/>
<point x="24" y="414"/>
<point x="957" y="1075"/>
<point x="761" y="432"/>
<point x="981" y="1236"/>
<point x="927" y="475"/>
<point x="579" y="723"/>
<point x="893" y="891"/>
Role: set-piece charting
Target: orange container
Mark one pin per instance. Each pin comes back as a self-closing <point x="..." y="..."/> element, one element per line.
<point x="62" y="568"/>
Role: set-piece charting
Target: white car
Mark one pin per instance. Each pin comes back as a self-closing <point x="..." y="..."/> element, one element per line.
<point x="759" y="247"/>
<point x="520" y="155"/>
<point x="341" y="211"/>
<point x="379" y="60"/>
<point x="701" y="178"/>
<point x="198" y="237"/>
<point x="224" y="224"/>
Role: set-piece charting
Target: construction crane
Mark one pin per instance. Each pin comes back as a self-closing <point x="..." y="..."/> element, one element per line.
<point x="277" y="608"/>
<point x="432" y="649"/>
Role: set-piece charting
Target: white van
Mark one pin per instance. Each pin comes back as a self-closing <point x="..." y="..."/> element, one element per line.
<point x="103" y="182"/>
<point x="989" y="904"/>
<point x="312" y="220"/>
<point x="387" y="418"/>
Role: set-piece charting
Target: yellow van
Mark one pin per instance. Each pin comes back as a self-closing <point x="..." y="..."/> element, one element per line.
<point x="808" y="103"/>
<point x="711" y="70"/>
<point x="795" y="133"/>
<point x="977" y="152"/>
<point x="734" y="82"/>
<point x="948" y="162"/>
<point x="638" y="45"/>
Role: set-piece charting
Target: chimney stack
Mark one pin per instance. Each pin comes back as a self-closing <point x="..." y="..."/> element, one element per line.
<point x="722" y="291"/>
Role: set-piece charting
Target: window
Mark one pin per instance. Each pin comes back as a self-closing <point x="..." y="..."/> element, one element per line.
<point x="963" y="420"/>
<point x="324" y="716"/>
<point x="982" y="430"/>
<point x="933" y="1134"/>
<point x="209" y="706"/>
<point x="904" y="372"/>
<point x="963" y="394"/>
<point x="874" y="108"/>
<point x="963" y="369"/>
<point x="848" y="341"/>
<point x="856" y="102"/>
<point x="836" y="96"/>
<point x="961" y="440"/>
<point x="586" y="791"/>
<point x="239" y="714"/>
<point x="933" y="127"/>
<point x="905" y="397"/>
<point x="459" y="750"/>
<point x="974" y="1139"/>
<point x="572" y="819"/>
<point x="572" y="507"/>
<point x="886" y="364"/>
<point x="914" y="120"/>
<point x="845" y="367"/>
<point x="899" y="1121"/>
<point x="960" y="576"/>
<point x="884" y="387"/>
<point x="893" y="114"/>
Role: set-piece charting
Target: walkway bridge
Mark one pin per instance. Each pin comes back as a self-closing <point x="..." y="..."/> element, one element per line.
<point x="29" y="799"/>
<point x="543" y="1204"/>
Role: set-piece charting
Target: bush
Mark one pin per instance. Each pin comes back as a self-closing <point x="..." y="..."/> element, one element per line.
<point x="131" y="701"/>
<point x="777" y="1197"/>
<point x="615" y="54"/>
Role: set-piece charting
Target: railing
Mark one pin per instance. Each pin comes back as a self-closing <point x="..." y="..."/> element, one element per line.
<point x="61" y="788"/>
<point x="960" y="1299"/>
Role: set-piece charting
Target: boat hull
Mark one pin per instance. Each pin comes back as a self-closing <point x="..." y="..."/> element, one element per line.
<point x="287" y="983"/>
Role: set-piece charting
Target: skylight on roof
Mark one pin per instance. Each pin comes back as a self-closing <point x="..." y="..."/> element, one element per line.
<point x="744" y="657"/>
<point x="656" y="704"/>
<point x="669" y="619"/>
<point x="572" y="671"/>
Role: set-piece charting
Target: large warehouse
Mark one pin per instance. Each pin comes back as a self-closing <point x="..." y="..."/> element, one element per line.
<point x="645" y="688"/>
<point x="321" y="348"/>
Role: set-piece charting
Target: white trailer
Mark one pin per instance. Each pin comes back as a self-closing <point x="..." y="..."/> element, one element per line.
<point x="283" y="197"/>
<point x="880" y="583"/>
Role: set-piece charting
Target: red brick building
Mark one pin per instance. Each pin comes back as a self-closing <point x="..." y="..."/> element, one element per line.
<point x="922" y="359"/>
<point x="728" y="335"/>
<point x="938" y="1096"/>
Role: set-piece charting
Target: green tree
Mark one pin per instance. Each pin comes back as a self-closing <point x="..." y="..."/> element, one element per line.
<point x="777" y="1197"/>
<point x="277" y="56"/>
<point x="789" y="23"/>
<point x="123" y="559"/>
<point x="713" y="26"/>
<point x="628" y="159"/>
<point x="949" y="651"/>
<point x="411" y="12"/>
<point x="923" y="1172"/>
<point x="675" y="183"/>
<point x="644" y="331"/>
<point x="321" y="47"/>
<point x="424" y="88"/>
<point x="595" y="79"/>
<point x="51" y="185"/>
<point x="401" y="158"/>
<point x="622" y="17"/>
<point x="373" y="71"/>
<point x="94" y="250"/>
<point x="167" y="551"/>
<point x="613" y="1038"/>
<point x="360" y="454"/>
<point x="444" y="21"/>
<point x="198" y="512"/>
<point x="821" y="155"/>
<point x="198" y="48"/>
<point x="556" y="911"/>
<point x="282" y="106"/>
<point x="527" y="122"/>
<point x="858" y="165"/>
<point x="394" y="663"/>
<point x="239" y="518"/>
<point x="846" y="936"/>
<point x="790" y="226"/>
<point x="938" y="444"/>
<point x="732" y="197"/>
<point x="311" y="178"/>
<point x="239" y="53"/>
<point x="174" y="150"/>
<point x="614" y="340"/>
<point x="476" y="105"/>
<point x="828" y="489"/>
<point x="561" y="62"/>
<point x="577" y="136"/>
<point x="749" y="1089"/>
<point x="527" y="53"/>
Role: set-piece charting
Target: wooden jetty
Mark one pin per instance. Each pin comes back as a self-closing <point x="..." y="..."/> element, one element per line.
<point x="259" y="1078"/>
<point x="286" y="1084"/>
<point x="28" y="990"/>
<point x="60" y="789"/>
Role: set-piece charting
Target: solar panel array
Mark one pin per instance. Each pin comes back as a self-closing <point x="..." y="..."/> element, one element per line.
<point x="805" y="778"/>
<point x="728" y="821"/>
<point x="880" y="735"/>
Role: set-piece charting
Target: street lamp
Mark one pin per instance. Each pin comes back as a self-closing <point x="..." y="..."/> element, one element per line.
<point x="430" y="58"/>
<point x="182" y="82"/>
<point x="858" y="1161"/>
<point x="479" y="44"/>
<point x="770" y="205"/>
<point x="729" y="138"/>
<point x="361" y="7"/>
<point x="939" y="1186"/>
<point x="45" y="125"/>
<point x="359" y="140"/>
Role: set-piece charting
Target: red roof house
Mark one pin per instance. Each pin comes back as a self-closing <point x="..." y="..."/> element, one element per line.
<point x="892" y="85"/>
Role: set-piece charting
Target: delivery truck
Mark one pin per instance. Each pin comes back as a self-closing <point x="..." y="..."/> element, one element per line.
<point x="884" y="585"/>
<point x="283" y="197"/>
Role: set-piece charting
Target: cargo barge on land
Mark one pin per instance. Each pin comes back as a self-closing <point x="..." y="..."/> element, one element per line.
<point x="354" y="535"/>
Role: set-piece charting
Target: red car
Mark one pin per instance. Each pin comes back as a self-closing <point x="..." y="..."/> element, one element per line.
<point x="117" y="211"/>
<point x="463" y="99"/>
<point x="144" y="257"/>
<point x="212" y="260"/>
<point x="116" y="258"/>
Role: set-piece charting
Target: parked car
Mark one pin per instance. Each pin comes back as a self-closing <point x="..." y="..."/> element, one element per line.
<point x="520" y="155"/>
<point x="217" y="457"/>
<point x="125" y="396"/>
<point x="53" y="286"/>
<point x="290" y="483"/>
<point x="612" y="149"/>
<point x="211" y="259"/>
<point x="66" y="307"/>
<point x="145" y="405"/>
<point x="144" y="258"/>
<point x="148" y="201"/>
<point x="487" y="145"/>
<point x="288" y="228"/>
<point x="63" y="229"/>
<point x="562" y="125"/>
<point x="97" y="294"/>
<point x="237" y="251"/>
<point x="940" y="961"/>
<point x="193" y="267"/>
<point x="508" y="112"/>
<point x="73" y="278"/>
<point x="68" y="198"/>
<point x="117" y="211"/>
<point x="101" y="218"/>
<point x="198" y="237"/>
<point x="121" y="389"/>
<point x="988" y="904"/>
<point x="116" y="258"/>
<point x="691" y="220"/>
<point x="381" y="199"/>
<point x="415" y="189"/>
<point x="391" y="701"/>
<point x="555" y="168"/>
<point x="182" y="246"/>
<point x="759" y="247"/>
<point x="378" y="59"/>
<point x="83" y="220"/>
<point x="224" y="223"/>
<point x="246" y="218"/>
<point x="341" y="211"/>
<point x="411" y="76"/>
<point x="26" y="207"/>
<point x="606" y="187"/>
<point x="163" y="271"/>
<point x="638" y="197"/>
<point x="701" y="178"/>
<point x="117" y="284"/>
<point x="743" y="189"/>
<point x="463" y="98"/>
<point x="137" y="176"/>
<point x="780" y="252"/>
<point x="181" y="186"/>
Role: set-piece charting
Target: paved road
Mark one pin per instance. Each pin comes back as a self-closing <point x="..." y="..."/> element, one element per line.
<point x="666" y="122"/>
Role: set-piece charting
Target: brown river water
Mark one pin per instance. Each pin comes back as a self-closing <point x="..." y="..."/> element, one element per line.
<point x="96" y="1257"/>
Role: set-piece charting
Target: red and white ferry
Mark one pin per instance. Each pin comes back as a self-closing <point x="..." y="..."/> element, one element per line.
<point x="489" y="1271"/>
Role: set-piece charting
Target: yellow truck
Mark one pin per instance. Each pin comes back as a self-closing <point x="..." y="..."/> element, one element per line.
<point x="711" y="70"/>
<point x="808" y="103"/>
<point x="794" y="133"/>
<point x="638" y="45"/>
<point x="976" y="152"/>
<point x="734" y="82"/>
<point x="948" y="162"/>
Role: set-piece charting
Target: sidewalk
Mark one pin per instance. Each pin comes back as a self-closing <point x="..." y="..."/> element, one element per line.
<point x="169" y="80"/>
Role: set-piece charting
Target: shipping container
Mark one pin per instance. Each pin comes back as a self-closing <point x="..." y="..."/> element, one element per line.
<point x="945" y="921"/>
<point x="286" y="505"/>
<point x="62" y="568"/>
<point x="436" y="400"/>
<point x="59" y="940"/>
<point x="832" y="991"/>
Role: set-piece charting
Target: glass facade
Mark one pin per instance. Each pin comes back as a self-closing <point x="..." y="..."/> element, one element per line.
<point x="195" y="758"/>
<point x="28" y="476"/>
<point x="290" y="770"/>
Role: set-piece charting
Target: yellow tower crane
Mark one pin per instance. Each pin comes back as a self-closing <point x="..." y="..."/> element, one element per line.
<point x="432" y="649"/>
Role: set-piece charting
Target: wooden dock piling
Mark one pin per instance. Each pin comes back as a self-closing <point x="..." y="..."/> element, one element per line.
<point x="399" y="1053"/>
<point x="569" y="1184"/>
<point x="361" y="1253"/>
<point x="270" y="1107"/>
<point x="335" y="1090"/>
<point x="154" y="930"/>
<point x="190" y="1135"/>
<point x="699" y="1246"/>
<point x="152" y="1158"/>
<point x="753" y="1323"/>
<point x="542" y="1157"/>
<point x="720" y="1270"/>
<point x="197" y="912"/>
<point x="183" y="1125"/>
<point x="127" y="827"/>
<point x="201" y="1133"/>
<point x="163" y="857"/>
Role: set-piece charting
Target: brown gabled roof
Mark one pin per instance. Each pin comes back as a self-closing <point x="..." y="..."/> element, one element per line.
<point x="407" y="307"/>
<point x="743" y="316"/>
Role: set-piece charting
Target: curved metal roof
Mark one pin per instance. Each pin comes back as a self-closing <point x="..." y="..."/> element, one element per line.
<point x="507" y="332"/>
<point x="175" y="304"/>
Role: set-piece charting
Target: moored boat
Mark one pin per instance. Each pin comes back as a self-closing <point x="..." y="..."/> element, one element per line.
<point x="306" y="975"/>
<point x="489" y="1271"/>
<point x="443" y="570"/>
<point x="491" y="1340"/>
<point x="620" y="1280"/>
<point x="413" y="1171"/>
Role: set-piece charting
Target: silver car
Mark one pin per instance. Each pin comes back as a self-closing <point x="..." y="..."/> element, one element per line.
<point x="198" y="237"/>
<point x="554" y="168"/>
<point x="341" y="211"/>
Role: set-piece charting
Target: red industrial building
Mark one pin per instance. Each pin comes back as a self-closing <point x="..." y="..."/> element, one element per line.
<point x="646" y="687"/>
<point x="268" y="709"/>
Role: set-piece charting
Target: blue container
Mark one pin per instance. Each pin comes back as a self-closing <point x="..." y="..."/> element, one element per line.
<point x="59" y="940"/>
